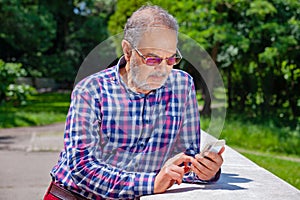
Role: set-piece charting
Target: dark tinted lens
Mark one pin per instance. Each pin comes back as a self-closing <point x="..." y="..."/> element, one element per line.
<point x="173" y="60"/>
<point x="178" y="59"/>
<point x="153" y="61"/>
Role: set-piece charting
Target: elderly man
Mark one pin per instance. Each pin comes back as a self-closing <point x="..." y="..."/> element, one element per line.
<point x="133" y="129"/>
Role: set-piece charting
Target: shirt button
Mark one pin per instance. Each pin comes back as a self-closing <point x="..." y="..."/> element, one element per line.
<point x="136" y="166"/>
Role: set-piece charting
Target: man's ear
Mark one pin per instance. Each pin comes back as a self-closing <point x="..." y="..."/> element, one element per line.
<point x="127" y="50"/>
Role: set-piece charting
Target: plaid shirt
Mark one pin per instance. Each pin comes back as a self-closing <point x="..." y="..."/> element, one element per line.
<point x="116" y="140"/>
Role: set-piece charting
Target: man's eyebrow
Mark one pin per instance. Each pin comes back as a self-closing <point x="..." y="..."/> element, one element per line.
<point x="152" y="54"/>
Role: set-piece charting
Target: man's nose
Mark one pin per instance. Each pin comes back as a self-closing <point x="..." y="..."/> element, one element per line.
<point x="162" y="66"/>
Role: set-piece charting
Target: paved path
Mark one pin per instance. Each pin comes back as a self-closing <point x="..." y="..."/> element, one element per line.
<point x="27" y="156"/>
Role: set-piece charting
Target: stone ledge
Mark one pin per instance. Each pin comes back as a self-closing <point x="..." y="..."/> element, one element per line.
<point x="240" y="179"/>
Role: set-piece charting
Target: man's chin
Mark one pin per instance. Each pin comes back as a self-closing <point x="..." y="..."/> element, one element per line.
<point x="154" y="85"/>
<point x="156" y="80"/>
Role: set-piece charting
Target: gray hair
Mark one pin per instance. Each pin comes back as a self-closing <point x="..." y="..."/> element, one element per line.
<point x="141" y="20"/>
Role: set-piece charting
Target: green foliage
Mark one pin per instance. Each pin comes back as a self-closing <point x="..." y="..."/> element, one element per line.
<point x="254" y="43"/>
<point x="288" y="170"/>
<point x="266" y="135"/>
<point x="261" y="9"/>
<point x="9" y="90"/>
<point x="41" y="109"/>
<point x="18" y="22"/>
<point x="124" y="9"/>
<point x="52" y="38"/>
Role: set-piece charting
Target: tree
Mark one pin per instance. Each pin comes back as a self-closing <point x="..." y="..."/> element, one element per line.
<point x="255" y="44"/>
<point x="51" y="38"/>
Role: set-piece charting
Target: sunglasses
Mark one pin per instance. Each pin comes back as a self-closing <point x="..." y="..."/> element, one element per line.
<point x="156" y="60"/>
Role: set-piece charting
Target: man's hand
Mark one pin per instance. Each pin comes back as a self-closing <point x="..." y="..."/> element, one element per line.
<point x="206" y="167"/>
<point x="171" y="172"/>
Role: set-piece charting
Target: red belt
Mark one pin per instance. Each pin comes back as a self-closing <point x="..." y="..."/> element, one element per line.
<point x="61" y="193"/>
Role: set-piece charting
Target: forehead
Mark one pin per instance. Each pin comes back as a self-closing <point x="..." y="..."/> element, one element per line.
<point x="159" y="38"/>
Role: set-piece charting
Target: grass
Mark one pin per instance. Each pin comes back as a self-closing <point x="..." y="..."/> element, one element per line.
<point x="273" y="148"/>
<point x="261" y="136"/>
<point x="286" y="169"/>
<point x="41" y="109"/>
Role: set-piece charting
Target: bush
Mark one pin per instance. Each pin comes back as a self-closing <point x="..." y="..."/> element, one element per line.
<point x="9" y="90"/>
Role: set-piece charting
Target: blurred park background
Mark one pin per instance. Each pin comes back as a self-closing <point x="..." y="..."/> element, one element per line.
<point x="255" y="45"/>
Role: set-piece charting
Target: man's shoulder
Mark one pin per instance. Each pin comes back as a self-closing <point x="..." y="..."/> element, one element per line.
<point x="99" y="77"/>
<point x="94" y="82"/>
<point x="180" y="75"/>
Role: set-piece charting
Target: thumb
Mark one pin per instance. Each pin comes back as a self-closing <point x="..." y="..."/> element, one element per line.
<point x="221" y="151"/>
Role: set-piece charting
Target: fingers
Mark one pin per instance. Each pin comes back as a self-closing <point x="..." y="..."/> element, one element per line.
<point x="167" y="176"/>
<point x="213" y="157"/>
<point x="206" y="167"/>
<point x="175" y="173"/>
<point x="180" y="158"/>
<point x="202" y="173"/>
<point x="187" y="168"/>
<point x="221" y="151"/>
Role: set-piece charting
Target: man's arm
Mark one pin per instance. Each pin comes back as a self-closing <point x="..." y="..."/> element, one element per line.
<point x="204" y="169"/>
<point x="88" y="170"/>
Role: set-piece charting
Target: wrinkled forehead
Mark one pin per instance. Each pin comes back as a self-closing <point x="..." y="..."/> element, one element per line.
<point x="158" y="38"/>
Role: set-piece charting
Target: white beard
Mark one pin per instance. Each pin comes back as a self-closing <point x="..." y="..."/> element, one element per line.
<point x="142" y="84"/>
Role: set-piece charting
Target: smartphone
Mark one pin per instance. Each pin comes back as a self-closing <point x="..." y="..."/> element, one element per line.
<point x="213" y="147"/>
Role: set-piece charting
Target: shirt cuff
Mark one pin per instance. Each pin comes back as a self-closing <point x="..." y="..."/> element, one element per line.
<point x="144" y="184"/>
<point x="216" y="177"/>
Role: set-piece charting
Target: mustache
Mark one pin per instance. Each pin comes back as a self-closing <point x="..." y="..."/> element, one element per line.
<point x="158" y="74"/>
